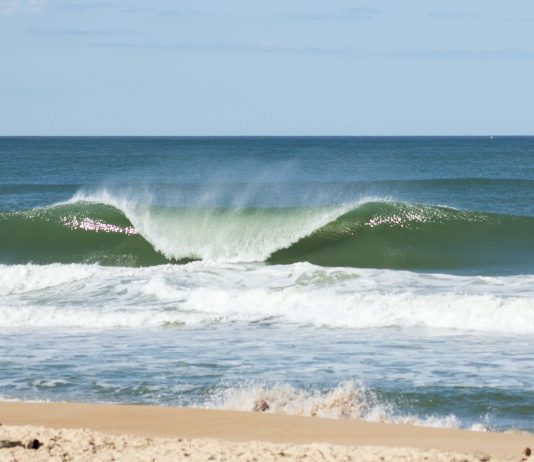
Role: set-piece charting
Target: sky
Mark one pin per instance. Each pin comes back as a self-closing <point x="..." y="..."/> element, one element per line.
<point x="266" y="67"/>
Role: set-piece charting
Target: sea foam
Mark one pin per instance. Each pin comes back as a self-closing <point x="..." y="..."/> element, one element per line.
<point x="88" y="296"/>
<point x="349" y="400"/>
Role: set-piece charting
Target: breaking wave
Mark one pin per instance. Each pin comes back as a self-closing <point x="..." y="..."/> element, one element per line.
<point x="92" y="296"/>
<point x="349" y="400"/>
<point x="369" y="234"/>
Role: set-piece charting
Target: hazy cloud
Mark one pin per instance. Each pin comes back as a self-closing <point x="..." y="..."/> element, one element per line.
<point x="268" y="47"/>
<point x="520" y="20"/>
<point x="445" y="14"/>
<point x="82" y="5"/>
<point x="9" y="7"/>
<point x="356" y="14"/>
<point x="163" y="12"/>
<point x="478" y="55"/>
<point x="360" y="13"/>
<point x="81" y="32"/>
<point x="227" y="46"/>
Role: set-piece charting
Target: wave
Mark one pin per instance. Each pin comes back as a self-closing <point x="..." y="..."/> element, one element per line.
<point x="349" y="400"/>
<point x="93" y="296"/>
<point x="370" y="234"/>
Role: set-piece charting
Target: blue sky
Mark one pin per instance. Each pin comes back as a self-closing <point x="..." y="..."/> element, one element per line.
<point x="266" y="67"/>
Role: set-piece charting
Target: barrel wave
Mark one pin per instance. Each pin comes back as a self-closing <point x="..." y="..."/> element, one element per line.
<point x="371" y="234"/>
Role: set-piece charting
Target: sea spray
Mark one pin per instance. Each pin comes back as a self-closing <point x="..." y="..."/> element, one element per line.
<point x="349" y="400"/>
<point x="229" y="234"/>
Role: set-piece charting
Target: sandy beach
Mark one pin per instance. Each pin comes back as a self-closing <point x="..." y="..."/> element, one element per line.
<point x="123" y="432"/>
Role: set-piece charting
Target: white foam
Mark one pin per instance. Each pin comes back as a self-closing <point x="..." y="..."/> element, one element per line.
<point x="24" y="279"/>
<point x="92" y="296"/>
<point x="348" y="400"/>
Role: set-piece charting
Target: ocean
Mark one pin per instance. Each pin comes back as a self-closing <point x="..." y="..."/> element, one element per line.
<point x="375" y="278"/>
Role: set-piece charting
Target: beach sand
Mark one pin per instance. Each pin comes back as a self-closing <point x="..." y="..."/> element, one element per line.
<point x="129" y="433"/>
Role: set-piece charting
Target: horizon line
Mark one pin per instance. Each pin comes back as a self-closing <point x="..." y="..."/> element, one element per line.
<point x="274" y="136"/>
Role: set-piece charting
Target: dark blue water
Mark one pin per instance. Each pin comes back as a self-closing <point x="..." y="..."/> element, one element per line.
<point x="485" y="174"/>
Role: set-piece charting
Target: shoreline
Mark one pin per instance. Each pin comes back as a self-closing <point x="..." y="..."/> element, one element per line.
<point x="241" y="427"/>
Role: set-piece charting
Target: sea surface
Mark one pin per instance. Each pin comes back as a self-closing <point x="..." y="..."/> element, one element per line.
<point x="384" y="279"/>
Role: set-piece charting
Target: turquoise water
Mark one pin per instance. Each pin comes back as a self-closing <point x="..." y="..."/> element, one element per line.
<point x="389" y="276"/>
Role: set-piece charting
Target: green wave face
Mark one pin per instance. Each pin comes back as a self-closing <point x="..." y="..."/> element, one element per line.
<point x="373" y="235"/>
<point x="402" y="236"/>
<point x="74" y="233"/>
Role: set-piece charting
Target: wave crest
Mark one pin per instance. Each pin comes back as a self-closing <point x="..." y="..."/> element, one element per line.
<point x="371" y="234"/>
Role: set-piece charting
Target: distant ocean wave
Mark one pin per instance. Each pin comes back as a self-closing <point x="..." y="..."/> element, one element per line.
<point x="369" y="234"/>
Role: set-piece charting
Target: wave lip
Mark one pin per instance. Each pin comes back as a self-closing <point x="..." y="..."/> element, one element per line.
<point x="107" y="230"/>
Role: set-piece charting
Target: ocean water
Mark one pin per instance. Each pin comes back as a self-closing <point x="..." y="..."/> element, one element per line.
<point x="384" y="279"/>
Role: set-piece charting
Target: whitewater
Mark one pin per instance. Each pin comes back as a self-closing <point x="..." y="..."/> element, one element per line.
<point x="91" y="296"/>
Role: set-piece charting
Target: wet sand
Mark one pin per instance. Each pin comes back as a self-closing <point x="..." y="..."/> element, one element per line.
<point x="161" y="433"/>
